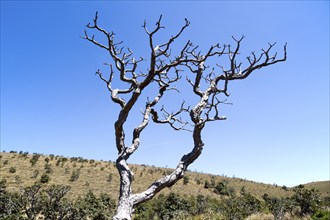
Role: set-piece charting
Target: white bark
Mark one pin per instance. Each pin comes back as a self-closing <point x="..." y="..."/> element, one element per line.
<point x="125" y="203"/>
<point x="161" y="64"/>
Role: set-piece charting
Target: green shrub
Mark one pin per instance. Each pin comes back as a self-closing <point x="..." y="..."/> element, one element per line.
<point x="326" y="201"/>
<point x="185" y="180"/>
<point x="58" y="162"/>
<point x="61" y="161"/>
<point x="241" y="207"/>
<point x="47" y="160"/>
<point x="207" y="184"/>
<point x="44" y="178"/>
<point x="75" y="175"/>
<point x="55" y="206"/>
<point x="174" y="206"/>
<point x="307" y="199"/>
<point x="34" y="159"/>
<point x="221" y="188"/>
<point x="12" y="169"/>
<point x="23" y="154"/>
<point x="96" y="207"/>
<point x="30" y="201"/>
<point x="109" y="179"/>
<point x="48" y="168"/>
<point x="321" y="215"/>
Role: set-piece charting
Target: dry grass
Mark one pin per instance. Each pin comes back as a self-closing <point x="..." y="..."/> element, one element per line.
<point x="94" y="176"/>
<point x="322" y="186"/>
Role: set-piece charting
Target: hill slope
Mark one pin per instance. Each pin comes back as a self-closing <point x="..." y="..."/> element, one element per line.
<point x="22" y="169"/>
<point x="322" y="186"/>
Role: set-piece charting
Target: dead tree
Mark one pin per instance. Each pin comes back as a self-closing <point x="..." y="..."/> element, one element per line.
<point x="165" y="70"/>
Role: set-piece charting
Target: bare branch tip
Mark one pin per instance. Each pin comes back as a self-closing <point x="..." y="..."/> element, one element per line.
<point x="159" y="20"/>
<point x="187" y="21"/>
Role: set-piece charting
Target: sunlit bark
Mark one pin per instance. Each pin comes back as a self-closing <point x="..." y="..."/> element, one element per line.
<point x="165" y="70"/>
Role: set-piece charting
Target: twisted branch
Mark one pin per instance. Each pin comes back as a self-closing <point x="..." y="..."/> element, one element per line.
<point x="165" y="70"/>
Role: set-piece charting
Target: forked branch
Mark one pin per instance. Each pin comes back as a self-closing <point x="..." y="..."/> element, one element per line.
<point x="165" y="70"/>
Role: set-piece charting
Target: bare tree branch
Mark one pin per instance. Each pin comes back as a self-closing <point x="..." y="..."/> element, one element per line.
<point x="165" y="70"/>
<point x="171" y="118"/>
<point x="208" y="102"/>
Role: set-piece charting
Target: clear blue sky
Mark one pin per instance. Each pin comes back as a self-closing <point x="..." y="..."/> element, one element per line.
<point x="277" y="131"/>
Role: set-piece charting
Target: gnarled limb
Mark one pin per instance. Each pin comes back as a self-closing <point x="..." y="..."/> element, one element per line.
<point x="125" y="67"/>
<point x="164" y="70"/>
<point x="208" y="102"/>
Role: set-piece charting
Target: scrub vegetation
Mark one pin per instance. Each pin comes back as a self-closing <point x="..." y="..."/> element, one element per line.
<point x="78" y="188"/>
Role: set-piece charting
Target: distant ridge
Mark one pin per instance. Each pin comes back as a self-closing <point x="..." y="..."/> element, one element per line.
<point x="22" y="169"/>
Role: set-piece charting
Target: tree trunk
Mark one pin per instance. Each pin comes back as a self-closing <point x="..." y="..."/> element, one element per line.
<point x="124" y="210"/>
<point x="125" y="201"/>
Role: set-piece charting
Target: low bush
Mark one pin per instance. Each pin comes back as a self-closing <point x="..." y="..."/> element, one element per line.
<point x="321" y="215"/>
<point x="12" y="170"/>
<point x="75" y="175"/>
<point x="45" y="178"/>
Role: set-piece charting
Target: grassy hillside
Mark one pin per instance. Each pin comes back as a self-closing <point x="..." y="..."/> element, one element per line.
<point x="322" y="186"/>
<point x="22" y="169"/>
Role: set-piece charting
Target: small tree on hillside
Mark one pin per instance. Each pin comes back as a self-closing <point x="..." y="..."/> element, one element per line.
<point x="164" y="71"/>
